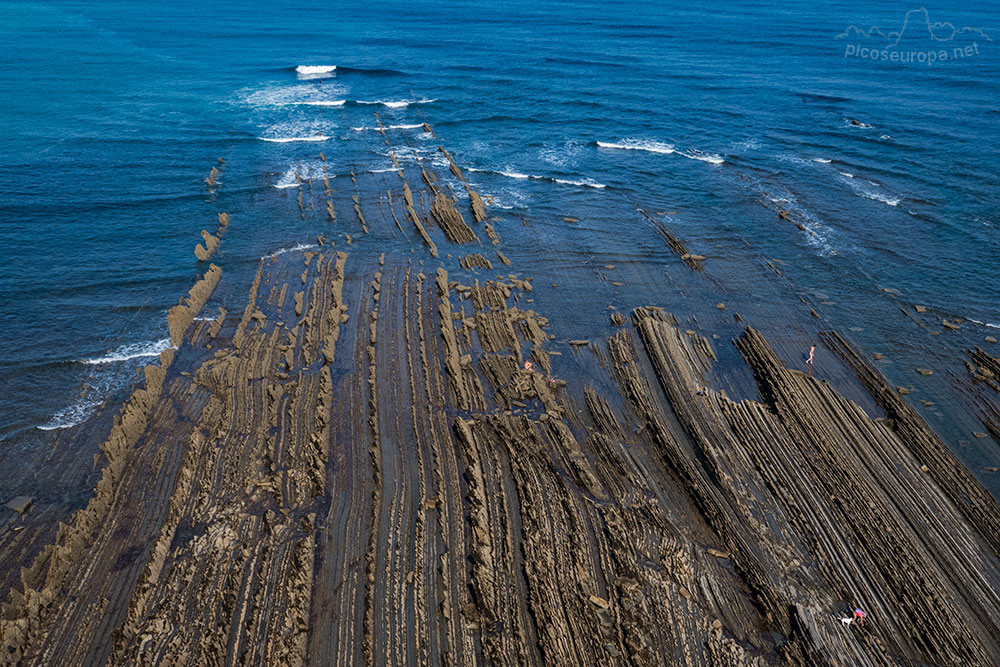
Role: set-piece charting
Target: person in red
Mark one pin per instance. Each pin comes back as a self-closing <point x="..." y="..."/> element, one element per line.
<point x="859" y="617"/>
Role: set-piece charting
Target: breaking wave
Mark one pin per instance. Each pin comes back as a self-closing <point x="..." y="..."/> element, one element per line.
<point x="285" y="140"/>
<point x="132" y="351"/>
<point x="412" y="126"/>
<point x="315" y="69"/>
<point x="639" y="145"/>
<point x="661" y="148"/>
<point x="869" y="190"/>
<point x="396" y="104"/>
<point x="584" y="182"/>
<point x="295" y="248"/>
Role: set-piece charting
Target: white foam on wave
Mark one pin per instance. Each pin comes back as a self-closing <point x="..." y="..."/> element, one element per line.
<point x="132" y="351"/>
<point x="409" y="154"/>
<point x="583" y="183"/>
<point x="306" y="171"/>
<point x="661" y="148"/>
<point x="564" y="155"/>
<point x="751" y="144"/>
<point x="991" y="325"/>
<point x="826" y="240"/>
<point x="295" y="248"/>
<point x="693" y="154"/>
<point x="412" y="126"/>
<point x="508" y="174"/>
<point x="71" y="415"/>
<point x="286" y="140"/>
<point x="509" y="198"/>
<point x="295" y="95"/>
<point x="111" y="371"/>
<point x="397" y="104"/>
<point x="885" y="199"/>
<point x="876" y="194"/>
<point x="857" y="123"/>
<point x="315" y="69"/>
<point x="822" y="160"/>
<point x="639" y="145"/>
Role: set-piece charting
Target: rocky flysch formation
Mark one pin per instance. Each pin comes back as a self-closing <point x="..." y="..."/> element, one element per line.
<point x="389" y="459"/>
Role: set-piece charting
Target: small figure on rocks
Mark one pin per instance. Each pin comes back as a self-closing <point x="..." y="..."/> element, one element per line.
<point x="859" y="616"/>
<point x="811" y="358"/>
<point x="527" y="365"/>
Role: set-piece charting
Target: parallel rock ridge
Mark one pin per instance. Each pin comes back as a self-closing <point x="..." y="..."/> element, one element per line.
<point x="378" y="464"/>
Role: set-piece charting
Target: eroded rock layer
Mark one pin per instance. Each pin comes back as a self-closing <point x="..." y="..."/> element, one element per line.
<point x="376" y="464"/>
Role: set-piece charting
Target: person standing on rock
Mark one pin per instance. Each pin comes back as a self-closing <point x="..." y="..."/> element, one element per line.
<point x="859" y="617"/>
<point x="811" y="357"/>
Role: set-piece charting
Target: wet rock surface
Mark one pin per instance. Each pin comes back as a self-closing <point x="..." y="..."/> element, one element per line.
<point x="394" y="459"/>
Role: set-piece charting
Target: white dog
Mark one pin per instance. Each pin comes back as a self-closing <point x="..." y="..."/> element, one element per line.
<point x="847" y="621"/>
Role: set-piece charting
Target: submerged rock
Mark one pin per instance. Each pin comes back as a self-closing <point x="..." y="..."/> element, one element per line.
<point x="20" y="504"/>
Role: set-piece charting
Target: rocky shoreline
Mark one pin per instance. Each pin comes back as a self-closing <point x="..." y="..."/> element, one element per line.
<point x="389" y="459"/>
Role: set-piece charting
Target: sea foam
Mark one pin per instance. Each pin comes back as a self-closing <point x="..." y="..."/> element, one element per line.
<point x="583" y="183"/>
<point x="295" y="248"/>
<point x="397" y="104"/>
<point x="71" y="415"/>
<point x="306" y="171"/>
<point x="366" y="128"/>
<point x="111" y="371"/>
<point x="639" y="145"/>
<point x="661" y="148"/>
<point x="875" y="193"/>
<point x="131" y="351"/>
<point x="286" y="140"/>
<point x="315" y="69"/>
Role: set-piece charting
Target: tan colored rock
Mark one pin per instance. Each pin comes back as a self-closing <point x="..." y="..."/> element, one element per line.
<point x="600" y="602"/>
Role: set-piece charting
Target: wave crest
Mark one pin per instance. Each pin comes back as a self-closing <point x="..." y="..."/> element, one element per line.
<point x="132" y="351"/>
<point x="397" y="104"/>
<point x="661" y="148"/>
<point x="315" y="69"/>
<point x="285" y="140"/>
<point x="639" y="145"/>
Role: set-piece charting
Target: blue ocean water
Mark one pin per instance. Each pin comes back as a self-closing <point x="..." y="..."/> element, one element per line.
<point x="723" y="113"/>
